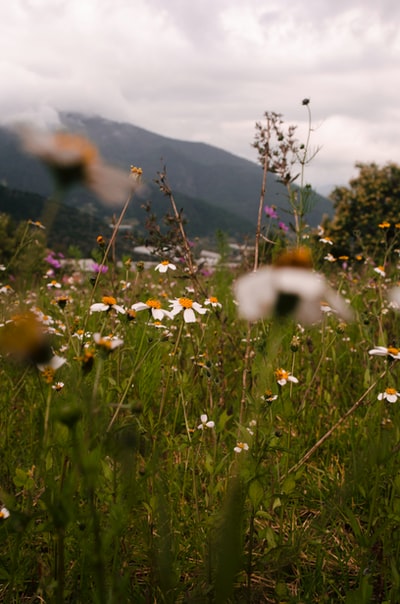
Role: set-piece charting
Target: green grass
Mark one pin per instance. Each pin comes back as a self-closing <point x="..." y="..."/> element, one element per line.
<point x="116" y="496"/>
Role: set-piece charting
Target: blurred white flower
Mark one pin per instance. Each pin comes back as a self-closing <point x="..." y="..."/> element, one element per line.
<point x="108" y="343"/>
<point x="74" y="160"/>
<point x="205" y="422"/>
<point x="394" y="297"/>
<point x="287" y="290"/>
<point x="53" y="364"/>
<point x="241" y="447"/>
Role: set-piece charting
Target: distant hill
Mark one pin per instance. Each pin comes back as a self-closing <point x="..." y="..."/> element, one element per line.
<point x="65" y="225"/>
<point x="217" y="190"/>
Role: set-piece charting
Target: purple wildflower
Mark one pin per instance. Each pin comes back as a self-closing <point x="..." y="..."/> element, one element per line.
<point x="283" y="227"/>
<point x="50" y="259"/>
<point x="271" y="211"/>
<point x="99" y="268"/>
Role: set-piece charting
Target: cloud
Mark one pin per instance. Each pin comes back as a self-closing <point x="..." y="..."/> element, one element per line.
<point x="208" y="70"/>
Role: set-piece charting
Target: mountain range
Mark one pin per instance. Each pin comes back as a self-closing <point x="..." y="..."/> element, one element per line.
<point x="216" y="189"/>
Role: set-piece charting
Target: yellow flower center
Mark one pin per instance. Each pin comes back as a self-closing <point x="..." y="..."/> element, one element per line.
<point x="298" y="258"/>
<point x="104" y="343"/>
<point x="281" y="374"/>
<point x="390" y="391"/>
<point x="185" y="302"/>
<point x="392" y="350"/>
<point x="110" y="300"/>
<point x="213" y="299"/>
<point x="240" y="445"/>
<point x="165" y="262"/>
<point x="152" y="303"/>
<point x="384" y="225"/>
<point x="72" y="142"/>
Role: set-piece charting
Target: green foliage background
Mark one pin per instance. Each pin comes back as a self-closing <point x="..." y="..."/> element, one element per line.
<point x="372" y="198"/>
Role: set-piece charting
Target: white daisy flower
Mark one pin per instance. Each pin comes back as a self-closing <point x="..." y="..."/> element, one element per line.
<point x="188" y="307"/>
<point x="107" y="303"/>
<point x="380" y="270"/>
<point x="213" y="301"/>
<point x="241" y="447"/>
<point x="382" y="351"/>
<point x="165" y="266"/>
<point x="283" y="377"/>
<point x="154" y="306"/>
<point x="390" y="394"/>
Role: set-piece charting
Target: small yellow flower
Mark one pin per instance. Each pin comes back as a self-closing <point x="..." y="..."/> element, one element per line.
<point x="137" y="171"/>
<point x="269" y="396"/>
<point x="213" y="301"/>
<point x="384" y="225"/>
<point x="48" y="375"/>
<point x="36" y="223"/>
<point x="87" y="360"/>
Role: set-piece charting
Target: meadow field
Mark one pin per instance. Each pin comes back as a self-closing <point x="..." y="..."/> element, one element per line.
<point x="187" y="434"/>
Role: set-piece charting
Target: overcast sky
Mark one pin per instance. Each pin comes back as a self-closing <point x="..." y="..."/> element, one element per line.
<point x="207" y="70"/>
